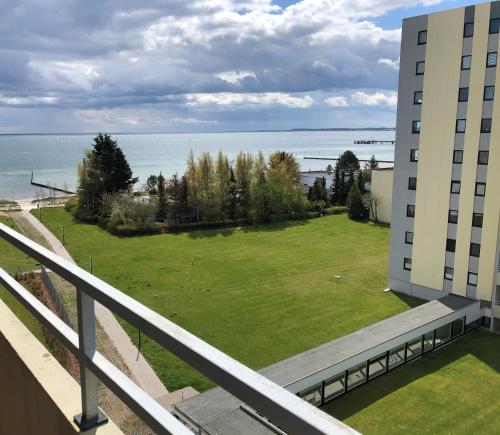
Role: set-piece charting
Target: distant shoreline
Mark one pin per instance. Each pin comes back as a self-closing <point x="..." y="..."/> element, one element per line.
<point x="292" y="130"/>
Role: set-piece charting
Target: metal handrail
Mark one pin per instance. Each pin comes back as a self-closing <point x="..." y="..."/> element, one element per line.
<point x="283" y="408"/>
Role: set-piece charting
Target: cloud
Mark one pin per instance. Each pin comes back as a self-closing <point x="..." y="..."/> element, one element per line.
<point x="376" y="99"/>
<point x="234" y="77"/>
<point x="337" y="101"/>
<point x="394" y="64"/>
<point x="238" y="99"/>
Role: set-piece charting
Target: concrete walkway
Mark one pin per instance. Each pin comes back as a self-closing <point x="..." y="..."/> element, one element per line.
<point x="138" y="366"/>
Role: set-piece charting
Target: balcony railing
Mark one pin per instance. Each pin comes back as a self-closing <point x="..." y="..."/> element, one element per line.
<point x="282" y="408"/>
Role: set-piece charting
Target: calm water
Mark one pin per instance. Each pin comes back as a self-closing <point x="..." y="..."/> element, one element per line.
<point x="53" y="158"/>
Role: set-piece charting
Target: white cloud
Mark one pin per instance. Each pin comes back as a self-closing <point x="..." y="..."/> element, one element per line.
<point x="234" y="77"/>
<point x="337" y="101"/>
<point x="27" y="101"/>
<point x="259" y="99"/>
<point x="394" y="64"/>
<point x="376" y="99"/>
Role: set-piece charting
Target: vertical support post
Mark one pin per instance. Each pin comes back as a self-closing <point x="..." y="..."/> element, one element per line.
<point x="63" y="234"/>
<point x="91" y="416"/>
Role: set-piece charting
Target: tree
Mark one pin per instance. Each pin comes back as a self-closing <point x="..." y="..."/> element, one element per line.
<point x="184" y="210"/>
<point x="151" y="184"/>
<point x="191" y="177"/>
<point x="161" y="213"/>
<point x="345" y="172"/>
<point x="329" y="168"/>
<point x="355" y="207"/>
<point x="373" y="162"/>
<point x="361" y="181"/>
<point x="173" y="197"/>
<point x="223" y="187"/>
<point x="318" y="190"/>
<point x="260" y="194"/>
<point x="243" y="173"/>
<point x="206" y="186"/>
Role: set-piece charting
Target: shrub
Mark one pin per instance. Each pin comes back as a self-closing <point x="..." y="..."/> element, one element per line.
<point x="71" y="205"/>
<point x="334" y="210"/>
<point x="355" y="207"/>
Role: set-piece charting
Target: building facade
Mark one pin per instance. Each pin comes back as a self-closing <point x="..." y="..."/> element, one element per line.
<point x="446" y="188"/>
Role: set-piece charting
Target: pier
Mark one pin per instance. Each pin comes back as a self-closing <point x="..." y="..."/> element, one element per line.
<point x="372" y="141"/>
<point x="336" y="158"/>
<point x="53" y="188"/>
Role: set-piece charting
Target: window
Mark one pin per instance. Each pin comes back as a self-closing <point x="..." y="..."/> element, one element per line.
<point x="414" y="155"/>
<point x="475" y="249"/>
<point x="413" y="348"/>
<point x="486" y="125"/>
<point x="409" y="238"/>
<point x="420" y="68"/>
<point x="448" y="273"/>
<point x="458" y="156"/>
<point x="422" y="37"/>
<point x="466" y="61"/>
<point x="377" y="366"/>
<point x="460" y="127"/>
<point x="407" y="264"/>
<point x="463" y="94"/>
<point x="453" y="216"/>
<point x="455" y="187"/>
<point x="457" y="327"/>
<point x="410" y="210"/>
<point x="451" y="245"/>
<point x="480" y="189"/>
<point x="442" y="335"/>
<point x="312" y="395"/>
<point x="417" y="97"/>
<point x="472" y="279"/>
<point x="477" y="220"/>
<point x="494" y="25"/>
<point x="491" y="59"/>
<point x="482" y="158"/>
<point x="489" y="93"/>
<point x="429" y="341"/>
<point x="468" y="30"/>
<point x="415" y="127"/>
<point x="412" y="183"/>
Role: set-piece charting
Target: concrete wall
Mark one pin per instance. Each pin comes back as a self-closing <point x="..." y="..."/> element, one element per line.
<point x="37" y="396"/>
<point x="381" y="188"/>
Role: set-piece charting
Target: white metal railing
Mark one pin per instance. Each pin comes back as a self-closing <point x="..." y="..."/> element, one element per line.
<point x="282" y="408"/>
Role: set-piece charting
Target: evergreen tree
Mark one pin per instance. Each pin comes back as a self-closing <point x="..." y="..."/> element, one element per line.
<point x="243" y="172"/>
<point x="152" y="184"/>
<point x="335" y="187"/>
<point x="161" y="213"/>
<point x="184" y="211"/>
<point x="206" y="186"/>
<point x="260" y="194"/>
<point x="373" y="162"/>
<point x="173" y="197"/>
<point x="193" y="195"/>
<point x="233" y="196"/>
<point x="361" y="182"/>
<point x="355" y="206"/>
<point x="222" y="187"/>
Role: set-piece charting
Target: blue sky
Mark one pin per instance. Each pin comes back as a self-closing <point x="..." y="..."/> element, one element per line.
<point x="202" y="65"/>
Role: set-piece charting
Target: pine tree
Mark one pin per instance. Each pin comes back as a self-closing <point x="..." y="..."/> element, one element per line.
<point x="355" y="207"/>
<point x="172" y="190"/>
<point x="161" y="213"/>
<point x="222" y="187"/>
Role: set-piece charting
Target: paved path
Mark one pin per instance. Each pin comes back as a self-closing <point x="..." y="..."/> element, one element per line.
<point x="138" y="366"/>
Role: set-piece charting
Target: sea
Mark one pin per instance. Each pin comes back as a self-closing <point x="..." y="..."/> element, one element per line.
<point x="53" y="159"/>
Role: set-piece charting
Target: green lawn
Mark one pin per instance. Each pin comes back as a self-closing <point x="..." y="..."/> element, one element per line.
<point x="452" y="391"/>
<point x="13" y="260"/>
<point x="260" y="294"/>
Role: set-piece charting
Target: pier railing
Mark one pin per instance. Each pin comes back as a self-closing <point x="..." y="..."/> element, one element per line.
<point x="285" y="410"/>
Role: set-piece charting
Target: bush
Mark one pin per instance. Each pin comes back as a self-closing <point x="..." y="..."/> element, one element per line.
<point x="85" y="215"/>
<point x="71" y="205"/>
<point x="334" y="210"/>
<point x="355" y="207"/>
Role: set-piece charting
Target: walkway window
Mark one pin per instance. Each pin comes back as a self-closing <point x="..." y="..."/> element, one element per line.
<point x="442" y="335"/>
<point x="377" y="366"/>
<point x="458" y="156"/>
<point x="491" y="59"/>
<point x="448" y="273"/>
<point x="494" y="25"/>
<point x="483" y="157"/>
<point x="422" y="37"/>
<point x="486" y="125"/>
<point x="453" y="216"/>
<point x="480" y="189"/>
<point x="460" y="127"/>
<point x="489" y="93"/>
<point x="414" y="348"/>
<point x="457" y="328"/>
<point x="420" y="68"/>
<point x="356" y="376"/>
<point x="334" y="387"/>
<point x="396" y="357"/>
<point x="414" y="155"/>
<point x="468" y="30"/>
<point x="472" y="279"/>
<point x="463" y="94"/>
<point x="477" y="220"/>
<point x="429" y="341"/>
<point x="312" y="395"/>
<point x="466" y="62"/>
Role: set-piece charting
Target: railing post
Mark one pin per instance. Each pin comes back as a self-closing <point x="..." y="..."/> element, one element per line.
<point x="91" y="416"/>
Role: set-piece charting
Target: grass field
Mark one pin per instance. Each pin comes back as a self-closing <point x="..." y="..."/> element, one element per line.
<point x="260" y="294"/>
<point x="12" y="260"/>
<point x="451" y="391"/>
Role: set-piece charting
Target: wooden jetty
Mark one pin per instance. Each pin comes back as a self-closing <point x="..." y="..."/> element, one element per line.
<point x="372" y="141"/>
<point x="336" y="158"/>
<point x="55" y="189"/>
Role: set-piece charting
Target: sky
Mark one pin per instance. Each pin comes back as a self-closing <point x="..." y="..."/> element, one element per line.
<point x="200" y="65"/>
